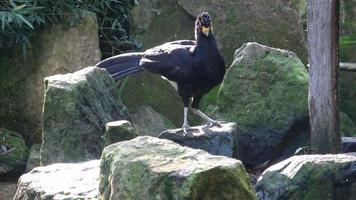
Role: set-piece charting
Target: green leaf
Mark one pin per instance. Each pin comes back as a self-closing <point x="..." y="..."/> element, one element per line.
<point x="3" y="17"/>
<point x="25" y="21"/>
<point x="19" y="7"/>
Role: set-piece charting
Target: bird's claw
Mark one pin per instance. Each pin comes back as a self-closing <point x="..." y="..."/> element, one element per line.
<point x="186" y="132"/>
<point x="215" y="123"/>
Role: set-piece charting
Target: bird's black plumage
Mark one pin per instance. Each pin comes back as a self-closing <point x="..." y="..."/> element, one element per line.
<point x="196" y="66"/>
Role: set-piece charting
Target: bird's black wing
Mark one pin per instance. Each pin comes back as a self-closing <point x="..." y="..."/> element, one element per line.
<point x="172" y="60"/>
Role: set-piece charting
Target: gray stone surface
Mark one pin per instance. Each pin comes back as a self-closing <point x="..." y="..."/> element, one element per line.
<point x="316" y="177"/>
<point x="149" y="122"/>
<point x="151" y="168"/>
<point x="76" y="109"/>
<point x="215" y="140"/>
<point x="60" y="182"/>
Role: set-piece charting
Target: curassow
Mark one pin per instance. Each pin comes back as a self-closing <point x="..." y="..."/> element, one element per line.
<point x="195" y="66"/>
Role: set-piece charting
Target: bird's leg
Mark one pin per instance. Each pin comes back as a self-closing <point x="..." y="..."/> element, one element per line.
<point x="195" y="110"/>
<point x="185" y="126"/>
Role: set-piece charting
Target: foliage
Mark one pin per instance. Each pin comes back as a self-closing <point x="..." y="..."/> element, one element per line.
<point x="20" y="19"/>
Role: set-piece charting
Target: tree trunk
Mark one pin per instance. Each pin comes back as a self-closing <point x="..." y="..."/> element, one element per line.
<point x="323" y="83"/>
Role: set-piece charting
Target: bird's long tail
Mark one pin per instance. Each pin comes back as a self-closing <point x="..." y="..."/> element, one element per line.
<point x="122" y="65"/>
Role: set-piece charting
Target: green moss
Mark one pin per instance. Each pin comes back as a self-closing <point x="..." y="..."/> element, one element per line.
<point x="16" y="158"/>
<point x="266" y="94"/>
<point x="347" y="127"/>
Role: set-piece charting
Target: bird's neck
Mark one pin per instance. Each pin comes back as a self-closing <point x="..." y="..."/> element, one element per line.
<point x="205" y="42"/>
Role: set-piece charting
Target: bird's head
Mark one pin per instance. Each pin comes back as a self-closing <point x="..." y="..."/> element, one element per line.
<point x="203" y="23"/>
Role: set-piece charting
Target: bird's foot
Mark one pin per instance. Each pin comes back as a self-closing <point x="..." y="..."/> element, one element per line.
<point x="215" y="123"/>
<point x="186" y="130"/>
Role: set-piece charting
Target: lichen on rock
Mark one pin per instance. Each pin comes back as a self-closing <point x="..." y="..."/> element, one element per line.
<point x="76" y="109"/>
<point x="152" y="168"/>
<point x="316" y="177"/>
<point x="265" y="91"/>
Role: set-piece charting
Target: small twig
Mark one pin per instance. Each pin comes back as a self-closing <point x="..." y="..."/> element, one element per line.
<point x="8" y="151"/>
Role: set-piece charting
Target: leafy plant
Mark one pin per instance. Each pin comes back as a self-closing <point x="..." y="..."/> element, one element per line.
<point x="20" y="19"/>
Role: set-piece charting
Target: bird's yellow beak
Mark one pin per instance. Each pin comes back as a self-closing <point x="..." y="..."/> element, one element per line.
<point x="205" y="30"/>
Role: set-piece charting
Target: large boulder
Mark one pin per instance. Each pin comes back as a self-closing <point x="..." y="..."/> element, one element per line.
<point x="13" y="154"/>
<point x="60" y="182"/>
<point x="265" y="92"/>
<point x="316" y="177"/>
<point x="58" y="49"/>
<point x="152" y="168"/>
<point x="76" y="109"/>
<point x="214" y="140"/>
<point x="276" y="23"/>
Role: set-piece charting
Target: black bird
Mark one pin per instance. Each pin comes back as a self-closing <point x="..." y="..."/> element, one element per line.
<point x="195" y="66"/>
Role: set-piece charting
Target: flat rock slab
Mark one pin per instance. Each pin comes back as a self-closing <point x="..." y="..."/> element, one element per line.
<point x="214" y="140"/>
<point x="316" y="177"/>
<point x="60" y="181"/>
<point x="152" y="168"/>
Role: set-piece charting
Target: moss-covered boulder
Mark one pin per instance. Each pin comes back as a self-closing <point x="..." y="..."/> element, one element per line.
<point x="152" y="168"/>
<point x="13" y="154"/>
<point x="74" y="181"/>
<point x="58" y="49"/>
<point x="307" y="177"/>
<point x="76" y="109"/>
<point x="118" y="131"/>
<point x="265" y="91"/>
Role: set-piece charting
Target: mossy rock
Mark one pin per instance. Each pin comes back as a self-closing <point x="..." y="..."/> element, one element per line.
<point x="152" y="168"/>
<point x="13" y="154"/>
<point x="118" y="131"/>
<point x="310" y="177"/>
<point x="76" y="109"/>
<point x="265" y="92"/>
